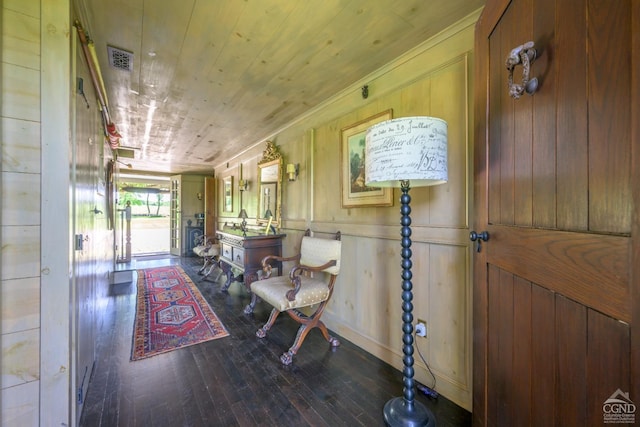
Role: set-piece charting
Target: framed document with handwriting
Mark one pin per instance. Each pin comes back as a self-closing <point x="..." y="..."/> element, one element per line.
<point x="355" y="193"/>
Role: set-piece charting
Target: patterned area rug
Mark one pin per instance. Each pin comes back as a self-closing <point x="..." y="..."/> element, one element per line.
<point x="171" y="313"/>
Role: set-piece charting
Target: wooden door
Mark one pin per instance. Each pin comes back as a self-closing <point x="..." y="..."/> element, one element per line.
<point x="175" y="215"/>
<point x="210" y="212"/>
<point x="556" y="286"/>
<point x="88" y="222"/>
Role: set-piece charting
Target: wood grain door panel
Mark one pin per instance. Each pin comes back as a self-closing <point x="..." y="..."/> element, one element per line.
<point x="548" y="354"/>
<point x="588" y="268"/>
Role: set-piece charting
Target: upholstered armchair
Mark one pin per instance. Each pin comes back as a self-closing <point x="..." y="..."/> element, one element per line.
<point x="308" y="287"/>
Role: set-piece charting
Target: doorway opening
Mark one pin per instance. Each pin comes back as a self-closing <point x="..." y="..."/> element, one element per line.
<point x="143" y="210"/>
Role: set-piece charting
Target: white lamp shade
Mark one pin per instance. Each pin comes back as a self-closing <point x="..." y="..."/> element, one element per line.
<point x="406" y="149"/>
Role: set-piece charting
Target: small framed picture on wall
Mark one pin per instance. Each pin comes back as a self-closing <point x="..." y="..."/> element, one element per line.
<point x="227" y="194"/>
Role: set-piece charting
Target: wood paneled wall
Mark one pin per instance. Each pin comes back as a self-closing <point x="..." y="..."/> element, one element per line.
<point x="20" y="285"/>
<point x="39" y="365"/>
<point x="433" y="79"/>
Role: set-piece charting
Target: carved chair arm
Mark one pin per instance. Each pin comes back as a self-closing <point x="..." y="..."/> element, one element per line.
<point x="266" y="267"/>
<point x="294" y="276"/>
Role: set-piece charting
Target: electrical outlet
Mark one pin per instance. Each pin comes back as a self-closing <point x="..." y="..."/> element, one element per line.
<point x="421" y="328"/>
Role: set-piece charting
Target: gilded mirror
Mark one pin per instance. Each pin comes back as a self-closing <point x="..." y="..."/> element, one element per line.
<point x="270" y="191"/>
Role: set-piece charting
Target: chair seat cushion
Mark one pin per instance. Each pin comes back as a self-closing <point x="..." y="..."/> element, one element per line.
<point x="203" y="251"/>
<point x="274" y="289"/>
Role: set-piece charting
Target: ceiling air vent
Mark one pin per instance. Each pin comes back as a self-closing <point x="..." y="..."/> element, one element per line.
<point x="120" y="59"/>
<point x="126" y="153"/>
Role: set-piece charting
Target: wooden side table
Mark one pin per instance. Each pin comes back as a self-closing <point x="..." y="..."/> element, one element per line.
<point x="241" y="256"/>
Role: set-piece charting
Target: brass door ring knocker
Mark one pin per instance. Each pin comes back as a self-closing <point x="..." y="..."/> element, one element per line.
<point x="524" y="54"/>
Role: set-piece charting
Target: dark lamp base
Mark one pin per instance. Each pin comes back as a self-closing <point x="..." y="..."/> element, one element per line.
<point x="398" y="413"/>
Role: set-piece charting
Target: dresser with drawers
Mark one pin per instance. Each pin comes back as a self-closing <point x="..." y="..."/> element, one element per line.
<point x="241" y="255"/>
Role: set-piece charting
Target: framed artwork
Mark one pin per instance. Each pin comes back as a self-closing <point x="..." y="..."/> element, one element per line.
<point x="354" y="191"/>
<point x="227" y="194"/>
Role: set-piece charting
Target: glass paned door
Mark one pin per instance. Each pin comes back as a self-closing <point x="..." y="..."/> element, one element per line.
<point x="174" y="215"/>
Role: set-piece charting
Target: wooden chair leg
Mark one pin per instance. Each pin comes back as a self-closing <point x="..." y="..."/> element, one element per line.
<point x="333" y="341"/>
<point x="307" y="323"/>
<point x="212" y="263"/>
<point x="252" y="304"/>
<point x="262" y="332"/>
<point x="205" y="264"/>
<point x="287" y="356"/>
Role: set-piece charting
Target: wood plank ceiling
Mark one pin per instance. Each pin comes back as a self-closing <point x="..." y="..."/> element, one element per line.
<point x="212" y="77"/>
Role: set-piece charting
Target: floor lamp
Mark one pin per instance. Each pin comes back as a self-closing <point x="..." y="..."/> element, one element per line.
<point x="399" y="153"/>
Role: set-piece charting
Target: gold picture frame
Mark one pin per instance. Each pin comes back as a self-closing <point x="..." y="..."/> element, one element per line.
<point x="355" y="193"/>
<point x="270" y="186"/>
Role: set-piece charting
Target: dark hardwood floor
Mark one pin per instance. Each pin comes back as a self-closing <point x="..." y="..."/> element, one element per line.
<point x="238" y="380"/>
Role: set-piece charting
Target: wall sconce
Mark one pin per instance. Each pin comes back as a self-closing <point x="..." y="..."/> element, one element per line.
<point x="199" y="196"/>
<point x="243" y="184"/>
<point x="292" y="171"/>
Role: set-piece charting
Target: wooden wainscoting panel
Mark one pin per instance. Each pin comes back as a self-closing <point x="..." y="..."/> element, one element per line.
<point x="20" y="198"/>
<point x="20" y="146"/>
<point x="19" y="305"/>
<point x="20" y="358"/>
<point x="20" y="404"/>
<point x="443" y="300"/>
<point x="366" y="307"/>
<point x="21" y="92"/>
<point x="21" y="35"/>
<point x="20" y="251"/>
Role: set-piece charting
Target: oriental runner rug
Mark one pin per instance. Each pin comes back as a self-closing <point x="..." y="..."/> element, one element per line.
<point x="171" y="313"/>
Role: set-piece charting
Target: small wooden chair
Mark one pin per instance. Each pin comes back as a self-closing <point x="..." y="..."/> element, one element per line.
<point x="309" y="283"/>
<point x="208" y="249"/>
